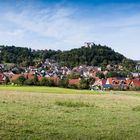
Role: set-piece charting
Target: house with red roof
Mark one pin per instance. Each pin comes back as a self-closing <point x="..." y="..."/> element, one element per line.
<point x="115" y="82"/>
<point x="74" y="82"/>
<point x="15" y="77"/>
<point x="29" y="76"/>
<point x="135" y="83"/>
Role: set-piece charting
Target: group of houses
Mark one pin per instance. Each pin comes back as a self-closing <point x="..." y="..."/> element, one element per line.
<point x="111" y="83"/>
<point x="52" y="70"/>
<point x="115" y="83"/>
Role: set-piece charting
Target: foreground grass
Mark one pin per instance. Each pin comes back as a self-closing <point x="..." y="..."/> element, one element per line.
<point x="37" y="116"/>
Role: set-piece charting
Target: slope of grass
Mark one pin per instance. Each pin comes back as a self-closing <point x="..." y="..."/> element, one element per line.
<point x="38" y="116"/>
<point x="41" y="89"/>
<point x="44" y="89"/>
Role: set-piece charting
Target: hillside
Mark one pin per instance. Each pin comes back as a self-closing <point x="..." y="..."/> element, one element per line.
<point x="23" y="56"/>
<point x="95" y="55"/>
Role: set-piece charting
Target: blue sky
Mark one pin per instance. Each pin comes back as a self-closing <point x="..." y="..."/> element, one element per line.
<point x="66" y="24"/>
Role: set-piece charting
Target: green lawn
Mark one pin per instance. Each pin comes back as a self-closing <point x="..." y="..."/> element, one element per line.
<point x="30" y="113"/>
<point x="41" y="89"/>
<point x="44" y="89"/>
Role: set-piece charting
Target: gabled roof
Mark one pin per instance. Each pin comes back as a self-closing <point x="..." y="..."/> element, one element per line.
<point x="136" y="82"/>
<point x="118" y="81"/>
<point x="29" y="76"/>
<point x="109" y="80"/>
<point x="74" y="82"/>
<point x="15" y="77"/>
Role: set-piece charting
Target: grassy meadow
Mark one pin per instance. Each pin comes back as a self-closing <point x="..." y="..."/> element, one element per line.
<point x="30" y="113"/>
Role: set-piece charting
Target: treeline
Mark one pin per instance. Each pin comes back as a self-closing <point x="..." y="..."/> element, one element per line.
<point x="23" y="56"/>
<point x="84" y="83"/>
<point x="16" y="55"/>
<point x="96" y="55"/>
<point x="22" y="80"/>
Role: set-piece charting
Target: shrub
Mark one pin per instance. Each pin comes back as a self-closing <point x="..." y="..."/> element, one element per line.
<point x="63" y="83"/>
<point x="120" y="88"/>
<point x="134" y="88"/>
<point x="84" y="84"/>
<point x="52" y="83"/>
<point x="44" y="82"/>
<point x="35" y="80"/>
<point x="29" y="82"/>
<point x="20" y="80"/>
<point x="73" y="86"/>
<point x="7" y="81"/>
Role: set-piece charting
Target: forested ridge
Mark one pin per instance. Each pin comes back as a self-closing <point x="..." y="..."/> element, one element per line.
<point x="96" y="55"/>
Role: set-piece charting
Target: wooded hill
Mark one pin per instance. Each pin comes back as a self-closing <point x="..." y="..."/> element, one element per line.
<point x="96" y="55"/>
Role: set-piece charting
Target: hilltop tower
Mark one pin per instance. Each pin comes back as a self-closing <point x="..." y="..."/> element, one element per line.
<point x="89" y="44"/>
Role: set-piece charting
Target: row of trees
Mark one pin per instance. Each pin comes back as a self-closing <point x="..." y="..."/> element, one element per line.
<point x="21" y="80"/>
<point x="84" y="83"/>
<point x="24" y="56"/>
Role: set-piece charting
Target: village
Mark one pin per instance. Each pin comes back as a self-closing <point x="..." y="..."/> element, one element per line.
<point x="75" y="76"/>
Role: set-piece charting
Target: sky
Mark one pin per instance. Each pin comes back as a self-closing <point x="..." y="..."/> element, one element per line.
<point x="67" y="24"/>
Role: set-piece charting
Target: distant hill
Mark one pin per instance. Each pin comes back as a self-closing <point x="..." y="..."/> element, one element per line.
<point x="96" y="55"/>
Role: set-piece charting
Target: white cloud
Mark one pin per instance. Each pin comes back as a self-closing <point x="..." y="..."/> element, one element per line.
<point x="122" y="34"/>
<point x="57" y="28"/>
<point x="54" y="23"/>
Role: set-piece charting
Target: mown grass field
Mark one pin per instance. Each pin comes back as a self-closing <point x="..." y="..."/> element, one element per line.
<point x="44" y="89"/>
<point x="32" y="113"/>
